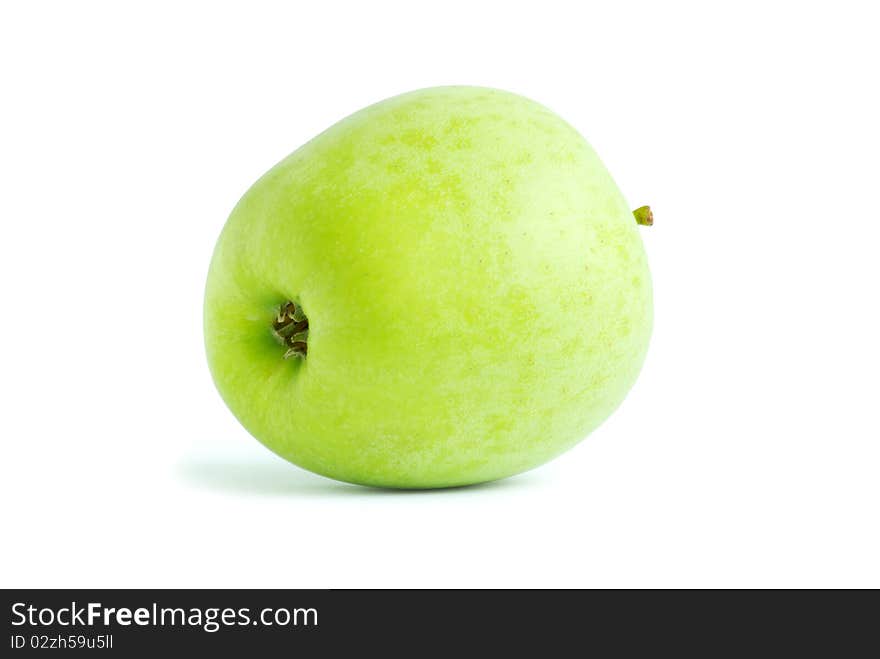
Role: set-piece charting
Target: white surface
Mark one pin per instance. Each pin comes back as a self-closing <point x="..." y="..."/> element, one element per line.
<point x="747" y="454"/>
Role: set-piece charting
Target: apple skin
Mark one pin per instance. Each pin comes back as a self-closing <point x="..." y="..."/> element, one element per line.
<point x="476" y="288"/>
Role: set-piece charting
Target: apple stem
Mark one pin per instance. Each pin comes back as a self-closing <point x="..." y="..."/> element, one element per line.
<point x="644" y="216"/>
<point x="291" y="328"/>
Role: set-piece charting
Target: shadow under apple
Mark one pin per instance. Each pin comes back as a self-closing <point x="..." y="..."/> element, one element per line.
<point x="283" y="479"/>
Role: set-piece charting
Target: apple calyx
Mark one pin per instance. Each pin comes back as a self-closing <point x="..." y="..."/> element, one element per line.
<point x="644" y="216"/>
<point x="291" y="328"/>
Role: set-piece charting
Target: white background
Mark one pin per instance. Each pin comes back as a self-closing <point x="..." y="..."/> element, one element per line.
<point x="746" y="455"/>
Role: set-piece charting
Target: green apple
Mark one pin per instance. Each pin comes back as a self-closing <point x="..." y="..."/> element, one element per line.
<point x="444" y="288"/>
